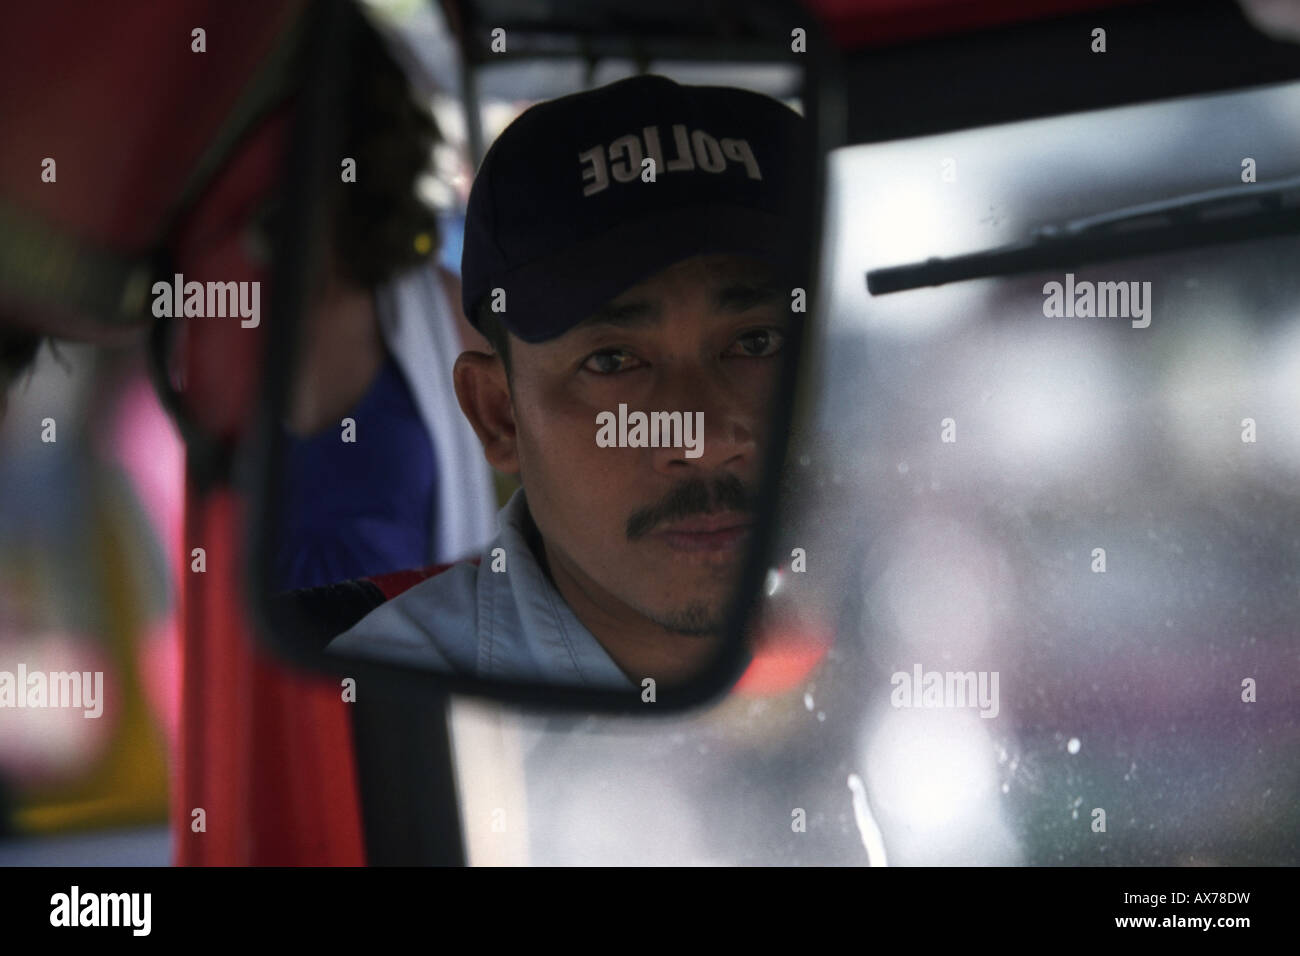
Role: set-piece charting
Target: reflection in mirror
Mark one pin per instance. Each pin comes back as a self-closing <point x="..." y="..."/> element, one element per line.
<point x="544" y="469"/>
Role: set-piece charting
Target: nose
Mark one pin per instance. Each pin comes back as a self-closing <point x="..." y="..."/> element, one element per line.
<point x="729" y="437"/>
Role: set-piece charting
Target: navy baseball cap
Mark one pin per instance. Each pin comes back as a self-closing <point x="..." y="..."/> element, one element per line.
<point x="562" y="216"/>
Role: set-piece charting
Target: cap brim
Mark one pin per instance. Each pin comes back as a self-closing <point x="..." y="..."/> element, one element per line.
<point x="547" y="297"/>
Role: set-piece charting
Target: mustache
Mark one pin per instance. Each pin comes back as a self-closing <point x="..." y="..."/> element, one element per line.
<point x="696" y="496"/>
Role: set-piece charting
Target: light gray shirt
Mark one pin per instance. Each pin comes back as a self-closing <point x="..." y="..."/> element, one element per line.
<point x="509" y="624"/>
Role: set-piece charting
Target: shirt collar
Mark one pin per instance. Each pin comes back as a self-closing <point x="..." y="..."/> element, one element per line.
<point x="521" y="613"/>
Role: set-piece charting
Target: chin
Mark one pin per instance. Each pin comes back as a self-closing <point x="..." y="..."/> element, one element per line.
<point x="698" y="616"/>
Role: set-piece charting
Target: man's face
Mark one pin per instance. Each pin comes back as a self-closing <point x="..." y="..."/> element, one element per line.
<point x="644" y="530"/>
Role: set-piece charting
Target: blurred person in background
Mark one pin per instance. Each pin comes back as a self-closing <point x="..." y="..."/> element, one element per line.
<point x="380" y="338"/>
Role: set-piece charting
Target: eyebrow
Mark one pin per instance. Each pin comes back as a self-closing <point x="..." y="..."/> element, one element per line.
<point x="741" y="295"/>
<point x="735" y="296"/>
<point x="638" y="312"/>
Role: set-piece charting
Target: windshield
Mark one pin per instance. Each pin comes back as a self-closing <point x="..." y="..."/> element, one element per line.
<point x="1050" y="522"/>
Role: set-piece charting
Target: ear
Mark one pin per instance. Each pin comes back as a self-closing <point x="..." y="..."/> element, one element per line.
<point x="484" y="396"/>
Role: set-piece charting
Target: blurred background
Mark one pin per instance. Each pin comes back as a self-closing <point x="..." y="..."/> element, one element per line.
<point x="89" y="540"/>
<point x="1119" y="691"/>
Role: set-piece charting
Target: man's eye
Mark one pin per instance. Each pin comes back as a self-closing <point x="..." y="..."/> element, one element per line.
<point x="760" y="343"/>
<point x="610" y="362"/>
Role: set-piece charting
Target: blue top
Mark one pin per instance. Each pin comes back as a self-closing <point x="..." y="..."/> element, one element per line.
<point x="355" y="509"/>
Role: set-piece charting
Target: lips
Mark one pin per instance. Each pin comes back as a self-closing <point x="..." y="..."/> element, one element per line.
<point x="720" y="532"/>
<point x="703" y="524"/>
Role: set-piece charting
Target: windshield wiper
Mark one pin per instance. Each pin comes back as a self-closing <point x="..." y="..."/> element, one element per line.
<point x="1248" y="211"/>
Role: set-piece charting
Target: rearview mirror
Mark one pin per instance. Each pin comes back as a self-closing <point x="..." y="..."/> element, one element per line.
<point x="549" y="476"/>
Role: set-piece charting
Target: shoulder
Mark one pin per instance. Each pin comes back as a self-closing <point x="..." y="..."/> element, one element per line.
<point x="430" y="624"/>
